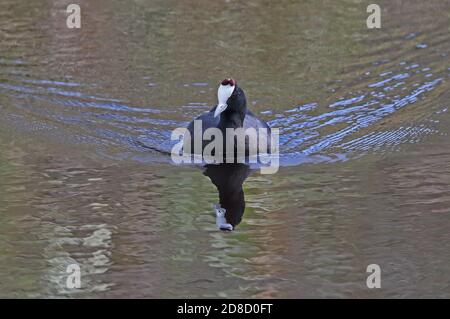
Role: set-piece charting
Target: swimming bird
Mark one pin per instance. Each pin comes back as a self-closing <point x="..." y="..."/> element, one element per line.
<point x="231" y="112"/>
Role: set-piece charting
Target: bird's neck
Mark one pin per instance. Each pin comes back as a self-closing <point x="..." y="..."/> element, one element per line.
<point x="232" y="119"/>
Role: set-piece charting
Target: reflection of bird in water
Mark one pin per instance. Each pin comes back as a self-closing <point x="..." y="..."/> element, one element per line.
<point x="228" y="179"/>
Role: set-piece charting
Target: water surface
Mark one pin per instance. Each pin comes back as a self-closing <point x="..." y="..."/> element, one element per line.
<point x="365" y="165"/>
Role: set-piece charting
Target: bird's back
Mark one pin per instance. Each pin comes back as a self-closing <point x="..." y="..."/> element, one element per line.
<point x="250" y="121"/>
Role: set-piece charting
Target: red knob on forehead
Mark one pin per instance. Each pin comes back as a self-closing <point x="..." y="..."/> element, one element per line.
<point x="229" y="82"/>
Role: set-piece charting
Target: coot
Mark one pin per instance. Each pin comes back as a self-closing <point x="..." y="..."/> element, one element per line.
<point x="231" y="112"/>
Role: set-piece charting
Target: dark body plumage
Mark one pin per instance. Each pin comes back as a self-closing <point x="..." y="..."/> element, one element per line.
<point x="236" y="115"/>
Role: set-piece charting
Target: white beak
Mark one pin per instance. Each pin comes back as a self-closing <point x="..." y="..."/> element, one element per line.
<point x="223" y="94"/>
<point x="219" y="109"/>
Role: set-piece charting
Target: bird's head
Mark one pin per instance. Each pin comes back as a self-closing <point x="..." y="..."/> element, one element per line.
<point x="231" y="98"/>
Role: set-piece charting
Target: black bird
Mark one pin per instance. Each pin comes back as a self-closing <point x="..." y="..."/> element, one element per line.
<point x="230" y="112"/>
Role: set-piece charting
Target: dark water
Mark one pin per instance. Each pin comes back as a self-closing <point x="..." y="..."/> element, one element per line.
<point x="364" y="122"/>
